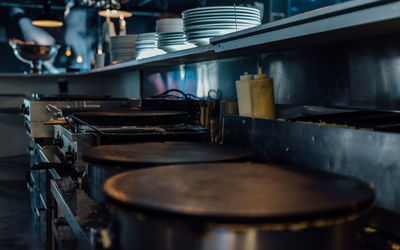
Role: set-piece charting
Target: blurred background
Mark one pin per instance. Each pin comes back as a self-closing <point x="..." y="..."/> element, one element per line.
<point x="80" y="36"/>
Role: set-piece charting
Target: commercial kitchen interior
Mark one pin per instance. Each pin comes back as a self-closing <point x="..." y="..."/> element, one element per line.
<point x="255" y="124"/>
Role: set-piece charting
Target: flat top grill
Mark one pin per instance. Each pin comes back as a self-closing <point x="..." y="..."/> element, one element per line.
<point x="139" y="155"/>
<point x="239" y="192"/>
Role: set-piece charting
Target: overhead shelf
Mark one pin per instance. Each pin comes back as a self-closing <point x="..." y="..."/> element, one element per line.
<point x="193" y="55"/>
<point x="346" y="21"/>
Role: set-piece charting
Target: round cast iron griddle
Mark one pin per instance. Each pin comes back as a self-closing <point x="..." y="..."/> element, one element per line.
<point x="139" y="155"/>
<point x="234" y="192"/>
<point x="131" y="117"/>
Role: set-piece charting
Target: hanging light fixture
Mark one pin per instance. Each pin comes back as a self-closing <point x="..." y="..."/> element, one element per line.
<point x="47" y="19"/>
<point x="68" y="51"/>
<point x="114" y="9"/>
<point x="114" y="13"/>
<point x="99" y="49"/>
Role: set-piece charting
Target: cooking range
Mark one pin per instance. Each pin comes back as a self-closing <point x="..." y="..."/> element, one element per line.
<point x="88" y="144"/>
<point x="62" y="127"/>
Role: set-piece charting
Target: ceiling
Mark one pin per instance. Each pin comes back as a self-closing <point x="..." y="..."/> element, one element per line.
<point x="174" y="6"/>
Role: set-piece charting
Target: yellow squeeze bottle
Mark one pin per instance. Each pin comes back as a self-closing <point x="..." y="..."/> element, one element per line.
<point x="262" y="96"/>
<point x="243" y="92"/>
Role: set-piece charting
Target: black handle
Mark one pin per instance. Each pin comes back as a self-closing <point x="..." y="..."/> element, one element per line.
<point x="49" y="165"/>
<point x="38" y="214"/>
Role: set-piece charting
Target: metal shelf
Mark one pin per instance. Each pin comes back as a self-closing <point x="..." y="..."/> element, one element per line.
<point x="346" y="21"/>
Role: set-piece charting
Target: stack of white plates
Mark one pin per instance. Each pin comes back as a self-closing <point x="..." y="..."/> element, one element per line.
<point x="123" y="48"/>
<point x="170" y="35"/>
<point x="201" y="24"/>
<point x="146" y="46"/>
<point x="169" y="25"/>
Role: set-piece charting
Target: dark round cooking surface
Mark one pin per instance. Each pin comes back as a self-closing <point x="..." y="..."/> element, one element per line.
<point x="131" y="117"/>
<point x="238" y="192"/>
<point x="161" y="153"/>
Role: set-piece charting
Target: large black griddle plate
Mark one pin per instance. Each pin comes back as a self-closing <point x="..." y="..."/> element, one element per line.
<point x="140" y="155"/>
<point x="129" y="117"/>
<point x="238" y="193"/>
<point x="69" y="97"/>
<point x="72" y="110"/>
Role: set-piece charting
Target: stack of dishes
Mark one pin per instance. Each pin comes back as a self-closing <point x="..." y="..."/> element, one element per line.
<point x="146" y="46"/>
<point x="170" y="35"/>
<point x="123" y="48"/>
<point x="201" y="24"/>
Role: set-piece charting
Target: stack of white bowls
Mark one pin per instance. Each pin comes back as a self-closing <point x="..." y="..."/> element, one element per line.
<point x="123" y="48"/>
<point x="201" y="24"/>
<point x="170" y="35"/>
<point x="146" y="46"/>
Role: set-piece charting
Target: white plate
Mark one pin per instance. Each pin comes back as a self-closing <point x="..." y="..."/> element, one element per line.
<point x="223" y="13"/>
<point x="215" y="32"/>
<point x="200" y="41"/>
<point x="174" y="43"/>
<point x="169" y="21"/>
<point x="217" y="27"/>
<point x="170" y="37"/>
<point x="222" y="18"/>
<point x="222" y="22"/>
<point x="221" y="9"/>
<point x="173" y="48"/>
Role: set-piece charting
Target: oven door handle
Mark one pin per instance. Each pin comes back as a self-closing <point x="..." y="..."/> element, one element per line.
<point x="49" y="165"/>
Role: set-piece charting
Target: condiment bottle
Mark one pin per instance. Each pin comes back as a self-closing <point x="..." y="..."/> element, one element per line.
<point x="262" y="96"/>
<point x="243" y="91"/>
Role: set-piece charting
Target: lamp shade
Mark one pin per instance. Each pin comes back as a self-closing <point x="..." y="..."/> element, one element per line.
<point x="115" y="13"/>
<point x="47" y="19"/>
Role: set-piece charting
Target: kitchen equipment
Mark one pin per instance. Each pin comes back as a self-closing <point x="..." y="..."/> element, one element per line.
<point x="236" y="206"/>
<point x="201" y="24"/>
<point x="37" y="113"/>
<point x="243" y="91"/>
<point x="262" y="96"/>
<point x="33" y="54"/>
<point x="157" y="120"/>
<point x="107" y="160"/>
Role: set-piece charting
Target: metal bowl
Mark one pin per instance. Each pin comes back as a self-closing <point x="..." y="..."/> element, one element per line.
<point x="34" y="54"/>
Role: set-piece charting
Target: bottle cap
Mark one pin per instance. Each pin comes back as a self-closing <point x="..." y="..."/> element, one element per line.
<point x="260" y="75"/>
<point x="246" y="76"/>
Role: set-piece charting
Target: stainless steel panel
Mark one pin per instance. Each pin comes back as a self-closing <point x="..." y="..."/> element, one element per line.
<point x="360" y="73"/>
<point x="39" y="129"/>
<point x="77" y="142"/>
<point x="370" y="156"/>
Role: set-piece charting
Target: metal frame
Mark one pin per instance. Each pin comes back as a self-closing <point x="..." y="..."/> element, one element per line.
<point x="58" y="201"/>
<point x="367" y="155"/>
